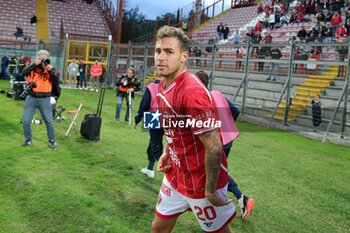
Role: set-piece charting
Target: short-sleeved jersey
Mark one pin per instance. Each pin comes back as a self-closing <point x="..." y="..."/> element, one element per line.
<point x="188" y="110"/>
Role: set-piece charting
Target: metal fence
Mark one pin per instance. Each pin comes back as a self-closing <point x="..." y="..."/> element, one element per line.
<point x="234" y="69"/>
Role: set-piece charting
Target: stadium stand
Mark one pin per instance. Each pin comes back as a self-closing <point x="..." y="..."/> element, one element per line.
<point x="15" y="13"/>
<point x="262" y="96"/>
<point x="78" y="17"/>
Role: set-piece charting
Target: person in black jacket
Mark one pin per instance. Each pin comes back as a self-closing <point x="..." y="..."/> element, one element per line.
<point x="219" y="31"/>
<point x="198" y="53"/>
<point x="262" y="54"/>
<point x="44" y="79"/>
<point x="126" y="84"/>
<point x="226" y="31"/>
<point x="274" y="54"/>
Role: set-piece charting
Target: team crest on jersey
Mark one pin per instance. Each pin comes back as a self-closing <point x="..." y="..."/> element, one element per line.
<point x="166" y="190"/>
<point x="151" y="120"/>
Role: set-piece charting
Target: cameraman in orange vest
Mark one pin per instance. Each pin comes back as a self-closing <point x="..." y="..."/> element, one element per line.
<point x="41" y="76"/>
<point x="126" y="84"/>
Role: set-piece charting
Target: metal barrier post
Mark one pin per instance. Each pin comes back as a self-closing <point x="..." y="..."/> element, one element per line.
<point x="246" y="76"/>
<point x="110" y="62"/>
<point x="212" y="66"/>
<point x="144" y="68"/>
<point x="289" y="82"/>
<point x="346" y="87"/>
<point x="130" y="55"/>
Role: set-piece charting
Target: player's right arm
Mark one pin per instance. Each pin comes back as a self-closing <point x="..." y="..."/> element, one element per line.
<point x="164" y="163"/>
<point x="213" y="153"/>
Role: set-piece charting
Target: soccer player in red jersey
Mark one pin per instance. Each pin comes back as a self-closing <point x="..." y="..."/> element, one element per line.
<point x="193" y="161"/>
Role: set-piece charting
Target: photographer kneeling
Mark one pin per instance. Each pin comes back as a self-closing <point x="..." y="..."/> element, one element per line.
<point x="126" y="84"/>
<point x="42" y="76"/>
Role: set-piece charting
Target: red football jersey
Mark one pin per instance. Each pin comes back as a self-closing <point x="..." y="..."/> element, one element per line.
<point x="188" y="110"/>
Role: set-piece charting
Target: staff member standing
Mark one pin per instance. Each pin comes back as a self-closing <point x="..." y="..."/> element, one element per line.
<point x="13" y="64"/>
<point x="44" y="77"/>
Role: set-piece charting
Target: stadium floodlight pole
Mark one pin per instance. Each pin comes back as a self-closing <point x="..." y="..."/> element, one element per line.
<point x="212" y="66"/>
<point x="246" y="70"/>
<point x="346" y="87"/>
<point x="110" y="60"/>
<point x="289" y="82"/>
<point x="144" y="68"/>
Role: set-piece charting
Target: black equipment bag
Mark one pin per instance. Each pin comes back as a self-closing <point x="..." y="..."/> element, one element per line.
<point x="91" y="125"/>
<point x="18" y="88"/>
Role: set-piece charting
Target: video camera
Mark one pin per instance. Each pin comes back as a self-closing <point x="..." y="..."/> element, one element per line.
<point x="30" y="86"/>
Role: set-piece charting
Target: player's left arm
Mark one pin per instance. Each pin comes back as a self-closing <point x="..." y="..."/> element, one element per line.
<point x="213" y="153"/>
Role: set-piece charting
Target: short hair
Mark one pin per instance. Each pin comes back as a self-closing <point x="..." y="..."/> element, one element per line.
<point x="43" y="52"/>
<point x="131" y="68"/>
<point x="203" y="76"/>
<point x="167" y="31"/>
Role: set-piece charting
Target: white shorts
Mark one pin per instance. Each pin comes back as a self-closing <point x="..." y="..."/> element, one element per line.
<point x="211" y="218"/>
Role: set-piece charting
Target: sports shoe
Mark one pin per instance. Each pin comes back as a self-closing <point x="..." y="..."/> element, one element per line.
<point x="52" y="144"/>
<point x="246" y="204"/>
<point x="26" y="143"/>
<point x="92" y="89"/>
<point x="148" y="172"/>
<point x="116" y="120"/>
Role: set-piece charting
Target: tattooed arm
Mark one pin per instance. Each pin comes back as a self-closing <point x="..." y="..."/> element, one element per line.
<point x="213" y="153"/>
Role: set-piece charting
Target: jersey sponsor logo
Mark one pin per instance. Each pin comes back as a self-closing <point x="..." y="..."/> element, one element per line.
<point x="208" y="224"/>
<point x="166" y="190"/>
<point x="151" y="120"/>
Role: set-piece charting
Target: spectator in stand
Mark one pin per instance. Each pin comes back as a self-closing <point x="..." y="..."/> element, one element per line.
<point x="293" y="18"/>
<point x="33" y="20"/>
<point x="343" y="51"/>
<point x="325" y="7"/>
<point x="256" y="39"/>
<point x="268" y="38"/>
<point x="219" y="31"/>
<point x="226" y="31"/>
<point x="272" y="20"/>
<point x="240" y="53"/>
<point x="283" y="9"/>
<point x="300" y="9"/>
<point x="347" y="15"/>
<point x="312" y="8"/>
<point x="96" y="72"/>
<point x="198" y="53"/>
<point x="334" y="5"/>
<point x="322" y="32"/>
<point x="13" y="64"/>
<point x="312" y="35"/>
<point x="341" y="30"/>
<point x="73" y="70"/>
<point x="316" y="110"/>
<point x="274" y="54"/>
<point x="335" y="21"/>
<point x="19" y="32"/>
<point x="258" y="27"/>
<point x="320" y="17"/>
<point x="329" y="35"/>
<point x="285" y="19"/>
<point x="302" y="34"/>
<point x="260" y="9"/>
<point x="21" y="64"/>
<point x="266" y="21"/>
<point x="82" y="71"/>
<point x="299" y="18"/>
<point x="236" y="37"/>
<point x="262" y="54"/>
<point x="267" y="9"/>
<point x="4" y="64"/>
<point x="329" y="17"/>
<point x="277" y="15"/>
<point x="347" y="27"/>
<point x="316" y="50"/>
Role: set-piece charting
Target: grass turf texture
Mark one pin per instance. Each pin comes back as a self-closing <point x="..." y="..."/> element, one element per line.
<point x="300" y="185"/>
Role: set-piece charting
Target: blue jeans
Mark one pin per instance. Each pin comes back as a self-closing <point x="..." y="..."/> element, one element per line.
<point x="3" y="72"/>
<point x="82" y="78"/>
<point x="272" y="66"/>
<point x="232" y="185"/>
<point x="119" y="106"/>
<point x="218" y="36"/>
<point x="44" y="105"/>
